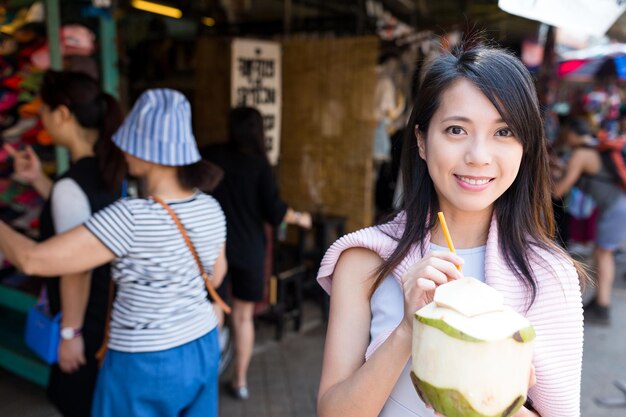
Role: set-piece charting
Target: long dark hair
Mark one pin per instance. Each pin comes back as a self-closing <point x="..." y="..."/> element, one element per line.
<point x="245" y="131"/>
<point x="93" y="109"/>
<point x="524" y="212"/>
<point x="203" y="175"/>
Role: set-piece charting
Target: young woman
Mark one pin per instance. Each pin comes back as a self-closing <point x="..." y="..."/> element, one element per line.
<point x="163" y="350"/>
<point x="250" y="198"/>
<point x="477" y="152"/>
<point x="586" y="170"/>
<point x="79" y="116"/>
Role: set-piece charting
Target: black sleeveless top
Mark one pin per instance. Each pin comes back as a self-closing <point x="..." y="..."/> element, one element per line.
<point x="86" y="174"/>
<point x="601" y="186"/>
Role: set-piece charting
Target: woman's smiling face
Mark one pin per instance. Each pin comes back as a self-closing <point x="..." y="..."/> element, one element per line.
<point x="472" y="155"/>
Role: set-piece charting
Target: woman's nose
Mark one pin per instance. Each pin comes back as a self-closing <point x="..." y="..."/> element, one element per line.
<point x="478" y="151"/>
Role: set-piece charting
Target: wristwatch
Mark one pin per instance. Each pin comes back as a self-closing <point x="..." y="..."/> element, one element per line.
<point x="69" y="333"/>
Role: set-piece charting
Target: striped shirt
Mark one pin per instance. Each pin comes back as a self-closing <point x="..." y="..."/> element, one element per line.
<point x="161" y="301"/>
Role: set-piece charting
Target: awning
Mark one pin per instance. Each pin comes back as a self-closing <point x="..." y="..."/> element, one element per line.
<point x="598" y="51"/>
<point x="593" y="17"/>
<point x="586" y="70"/>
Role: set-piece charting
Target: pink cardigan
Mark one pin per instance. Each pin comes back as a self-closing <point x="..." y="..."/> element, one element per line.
<point x="556" y="314"/>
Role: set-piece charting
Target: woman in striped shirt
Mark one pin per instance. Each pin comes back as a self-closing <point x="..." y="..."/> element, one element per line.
<point x="163" y="350"/>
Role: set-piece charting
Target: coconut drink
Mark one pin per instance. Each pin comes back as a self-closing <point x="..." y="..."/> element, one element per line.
<point x="471" y="354"/>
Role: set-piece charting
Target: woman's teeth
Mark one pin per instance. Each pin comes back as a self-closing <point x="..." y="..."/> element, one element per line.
<point x="473" y="181"/>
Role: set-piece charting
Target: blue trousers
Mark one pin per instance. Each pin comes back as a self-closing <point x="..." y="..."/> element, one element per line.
<point x="181" y="381"/>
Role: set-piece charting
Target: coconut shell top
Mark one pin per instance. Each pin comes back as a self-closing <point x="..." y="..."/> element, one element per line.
<point x="470" y="310"/>
<point x="469" y="296"/>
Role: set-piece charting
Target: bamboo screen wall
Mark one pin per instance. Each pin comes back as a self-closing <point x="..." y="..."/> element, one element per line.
<point x="328" y="124"/>
<point x="212" y="96"/>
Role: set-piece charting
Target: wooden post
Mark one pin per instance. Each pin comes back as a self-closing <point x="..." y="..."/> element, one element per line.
<point x="288" y="17"/>
<point x="108" y="56"/>
<point x="53" y="22"/>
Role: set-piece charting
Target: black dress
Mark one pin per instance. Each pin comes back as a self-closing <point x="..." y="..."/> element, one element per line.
<point x="72" y="393"/>
<point x="249" y="197"/>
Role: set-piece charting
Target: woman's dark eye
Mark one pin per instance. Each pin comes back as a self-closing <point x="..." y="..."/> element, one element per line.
<point x="504" y="132"/>
<point x="455" y="130"/>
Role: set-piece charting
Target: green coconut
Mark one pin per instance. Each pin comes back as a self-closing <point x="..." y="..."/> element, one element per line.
<point x="471" y="354"/>
<point x="452" y="403"/>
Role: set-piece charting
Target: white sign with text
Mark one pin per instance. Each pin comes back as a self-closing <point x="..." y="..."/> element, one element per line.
<point x="256" y="82"/>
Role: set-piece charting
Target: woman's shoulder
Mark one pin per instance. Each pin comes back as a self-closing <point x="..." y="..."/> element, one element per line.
<point x="554" y="268"/>
<point x="555" y="256"/>
<point x="63" y="186"/>
<point x="126" y="206"/>
<point x="586" y="156"/>
<point x="86" y="174"/>
<point x="144" y="211"/>
<point x="587" y="150"/>
<point x="544" y="258"/>
<point x="205" y="198"/>
<point x="136" y="207"/>
<point x="379" y="240"/>
<point x="209" y="200"/>
<point x="88" y="163"/>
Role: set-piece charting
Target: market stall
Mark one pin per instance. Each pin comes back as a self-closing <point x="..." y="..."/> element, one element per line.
<point x="33" y="40"/>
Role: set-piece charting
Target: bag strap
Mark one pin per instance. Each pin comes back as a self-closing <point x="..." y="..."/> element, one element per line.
<point x="207" y="280"/>
<point x="101" y="353"/>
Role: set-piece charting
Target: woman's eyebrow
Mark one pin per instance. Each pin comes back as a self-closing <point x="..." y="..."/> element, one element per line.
<point x="457" y="119"/>
<point x="466" y="119"/>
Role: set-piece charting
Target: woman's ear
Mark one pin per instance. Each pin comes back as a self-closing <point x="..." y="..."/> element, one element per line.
<point x="63" y="113"/>
<point x="421" y="145"/>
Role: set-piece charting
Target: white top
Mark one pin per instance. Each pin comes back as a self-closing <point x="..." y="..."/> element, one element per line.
<point x="69" y="205"/>
<point x="474" y="258"/>
<point x="161" y="300"/>
<point x="403" y="400"/>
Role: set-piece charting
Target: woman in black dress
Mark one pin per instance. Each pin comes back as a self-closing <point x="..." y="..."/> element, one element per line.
<point x="249" y="197"/>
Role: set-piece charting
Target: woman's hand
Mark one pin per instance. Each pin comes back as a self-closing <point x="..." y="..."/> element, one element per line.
<point x="27" y="170"/>
<point x="525" y="412"/>
<point x="301" y="219"/>
<point x="305" y="220"/>
<point x="533" y="378"/>
<point x="421" y="279"/>
<point x="26" y="165"/>
<point x="72" y="354"/>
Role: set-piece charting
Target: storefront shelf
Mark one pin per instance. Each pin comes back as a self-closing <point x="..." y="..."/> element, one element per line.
<point x="15" y="299"/>
<point x="25" y="366"/>
<point x="15" y="356"/>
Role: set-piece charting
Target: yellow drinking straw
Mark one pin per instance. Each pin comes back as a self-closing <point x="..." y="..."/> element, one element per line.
<point x="446" y="233"/>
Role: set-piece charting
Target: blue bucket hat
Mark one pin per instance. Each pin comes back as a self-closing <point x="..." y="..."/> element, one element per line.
<point x="158" y="129"/>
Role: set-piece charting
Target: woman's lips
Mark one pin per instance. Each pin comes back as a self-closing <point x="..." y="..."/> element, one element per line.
<point x="473" y="183"/>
